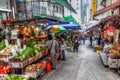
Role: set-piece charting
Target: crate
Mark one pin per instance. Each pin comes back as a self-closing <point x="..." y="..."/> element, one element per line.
<point x="113" y="62"/>
<point x="19" y="64"/>
<point x="34" y="74"/>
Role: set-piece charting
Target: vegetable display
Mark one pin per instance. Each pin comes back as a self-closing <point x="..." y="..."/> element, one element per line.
<point x="31" y="43"/>
<point x="15" y="77"/>
<point x="2" y="45"/>
<point x="28" y="52"/>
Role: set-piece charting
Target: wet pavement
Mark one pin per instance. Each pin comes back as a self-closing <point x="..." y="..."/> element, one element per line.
<point x="84" y="65"/>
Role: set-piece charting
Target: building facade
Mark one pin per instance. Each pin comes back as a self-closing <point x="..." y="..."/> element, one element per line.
<point x="29" y="9"/>
<point x="109" y="8"/>
<point x="5" y="10"/>
<point x="85" y="9"/>
<point x="76" y="5"/>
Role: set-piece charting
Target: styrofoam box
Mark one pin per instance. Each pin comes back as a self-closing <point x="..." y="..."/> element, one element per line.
<point x="113" y="63"/>
<point x="104" y="58"/>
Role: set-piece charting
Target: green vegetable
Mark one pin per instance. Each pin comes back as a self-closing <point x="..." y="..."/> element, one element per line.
<point x="2" y="45"/>
<point x="31" y="43"/>
<point x="15" y="77"/>
<point x="28" y="52"/>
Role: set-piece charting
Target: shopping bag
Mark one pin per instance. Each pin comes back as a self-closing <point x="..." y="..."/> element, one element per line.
<point x="98" y="51"/>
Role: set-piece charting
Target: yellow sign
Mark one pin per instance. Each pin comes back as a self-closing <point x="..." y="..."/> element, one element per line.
<point x="94" y="6"/>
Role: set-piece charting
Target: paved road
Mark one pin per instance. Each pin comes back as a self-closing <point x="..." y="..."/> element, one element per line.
<point x="84" y="65"/>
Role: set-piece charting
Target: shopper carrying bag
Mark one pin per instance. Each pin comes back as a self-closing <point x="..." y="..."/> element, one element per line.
<point x="52" y="44"/>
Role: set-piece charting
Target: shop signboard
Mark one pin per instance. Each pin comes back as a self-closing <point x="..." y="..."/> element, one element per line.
<point x="94" y="6"/>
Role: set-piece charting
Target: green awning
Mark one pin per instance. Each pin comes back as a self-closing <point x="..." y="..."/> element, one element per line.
<point x="70" y="19"/>
<point x="65" y="4"/>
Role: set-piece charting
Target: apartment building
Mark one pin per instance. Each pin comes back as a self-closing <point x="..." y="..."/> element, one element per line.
<point x="4" y="10"/>
<point x="29" y="9"/>
<point x="108" y="8"/>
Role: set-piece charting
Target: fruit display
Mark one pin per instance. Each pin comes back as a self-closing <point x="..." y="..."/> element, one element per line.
<point x="39" y="65"/>
<point x="15" y="77"/>
<point x="5" y="69"/>
<point x="116" y="53"/>
<point x="31" y="68"/>
<point x="28" y="52"/>
<point x="41" y="37"/>
<point x="2" y="45"/>
<point x="34" y="67"/>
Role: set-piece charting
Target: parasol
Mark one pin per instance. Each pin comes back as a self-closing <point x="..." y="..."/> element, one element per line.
<point x="55" y="28"/>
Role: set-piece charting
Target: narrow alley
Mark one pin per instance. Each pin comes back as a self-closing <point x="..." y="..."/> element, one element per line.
<point x="85" y="65"/>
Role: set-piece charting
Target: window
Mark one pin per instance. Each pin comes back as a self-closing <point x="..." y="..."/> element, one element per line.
<point x="60" y="10"/>
<point x="57" y="9"/>
<point x="43" y="10"/>
<point x="5" y="4"/>
<point x="36" y="8"/>
<point x="49" y="6"/>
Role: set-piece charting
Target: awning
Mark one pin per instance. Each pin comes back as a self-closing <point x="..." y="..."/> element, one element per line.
<point x="91" y="24"/>
<point x="50" y="21"/>
<point x="65" y="4"/>
<point x="109" y="18"/>
<point x="70" y="19"/>
<point x="71" y="26"/>
<point x="59" y="21"/>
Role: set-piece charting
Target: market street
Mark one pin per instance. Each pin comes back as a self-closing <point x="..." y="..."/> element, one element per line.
<point x="85" y="65"/>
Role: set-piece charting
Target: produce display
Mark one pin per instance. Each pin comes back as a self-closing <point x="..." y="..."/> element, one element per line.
<point x="6" y="51"/>
<point x="2" y="45"/>
<point x="69" y="42"/>
<point x="116" y="53"/>
<point x="34" y="67"/>
<point x="28" y="52"/>
<point x="41" y="37"/>
<point x="39" y="65"/>
<point x="31" y="43"/>
<point x="31" y="68"/>
<point x="15" y="77"/>
<point x="5" y="69"/>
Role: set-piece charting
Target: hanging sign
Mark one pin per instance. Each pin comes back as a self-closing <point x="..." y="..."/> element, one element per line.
<point x="94" y="6"/>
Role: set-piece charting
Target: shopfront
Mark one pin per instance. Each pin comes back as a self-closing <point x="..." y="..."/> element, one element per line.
<point x="4" y="10"/>
<point x="3" y="15"/>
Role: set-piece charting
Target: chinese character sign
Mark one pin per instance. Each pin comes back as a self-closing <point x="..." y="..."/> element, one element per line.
<point x="94" y="6"/>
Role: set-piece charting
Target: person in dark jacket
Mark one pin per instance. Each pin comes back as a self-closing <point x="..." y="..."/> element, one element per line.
<point x="99" y="40"/>
<point x="76" y="44"/>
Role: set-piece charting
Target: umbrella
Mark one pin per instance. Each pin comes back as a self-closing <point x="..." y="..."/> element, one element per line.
<point x="71" y="26"/>
<point x="56" y="28"/>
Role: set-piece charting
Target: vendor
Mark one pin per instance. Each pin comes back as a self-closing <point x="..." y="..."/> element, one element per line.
<point x="106" y="37"/>
<point x="14" y="35"/>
